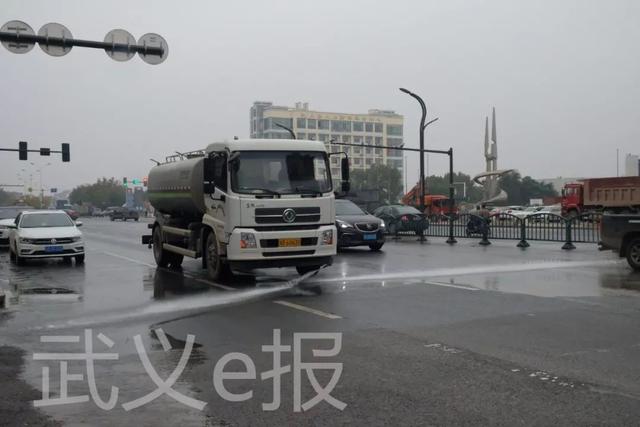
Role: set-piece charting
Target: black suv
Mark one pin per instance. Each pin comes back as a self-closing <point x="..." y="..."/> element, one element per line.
<point x="124" y="214"/>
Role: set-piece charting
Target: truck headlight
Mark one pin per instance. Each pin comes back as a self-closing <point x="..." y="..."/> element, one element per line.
<point x="247" y="241"/>
<point x="327" y="237"/>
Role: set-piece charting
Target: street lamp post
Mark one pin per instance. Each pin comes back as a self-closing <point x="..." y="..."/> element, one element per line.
<point x="423" y="126"/>
<point x="39" y="170"/>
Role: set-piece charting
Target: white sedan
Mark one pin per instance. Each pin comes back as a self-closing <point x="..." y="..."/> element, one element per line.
<point x="45" y="234"/>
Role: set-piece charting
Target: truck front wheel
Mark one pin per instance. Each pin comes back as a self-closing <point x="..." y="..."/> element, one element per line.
<point x="633" y="254"/>
<point x="216" y="268"/>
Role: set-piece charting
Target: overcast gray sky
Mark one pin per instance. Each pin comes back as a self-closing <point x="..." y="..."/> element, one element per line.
<point x="564" y="77"/>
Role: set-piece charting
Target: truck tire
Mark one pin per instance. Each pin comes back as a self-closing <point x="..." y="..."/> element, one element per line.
<point x="161" y="256"/>
<point x="633" y="253"/>
<point x="216" y="267"/>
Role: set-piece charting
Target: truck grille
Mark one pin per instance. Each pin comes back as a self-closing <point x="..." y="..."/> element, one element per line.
<point x="368" y="226"/>
<point x="273" y="243"/>
<point x="276" y="215"/>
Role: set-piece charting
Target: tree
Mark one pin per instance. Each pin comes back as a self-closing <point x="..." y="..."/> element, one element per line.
<point x="7" y="198"/>
<point x="104" y="193"/>
<point x="521" y="190"/>
<point x="379" y="177"/>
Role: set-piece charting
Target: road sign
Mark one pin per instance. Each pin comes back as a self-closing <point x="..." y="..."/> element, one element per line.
<point x="120" y="37"/>
<point x="151" y="40"/>
<point x="54" y="190"/>
<point x="58" y="31"/>
<point x="18" y="28"/>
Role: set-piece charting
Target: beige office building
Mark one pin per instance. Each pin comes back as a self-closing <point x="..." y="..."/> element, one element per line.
<point x="377" y="128"/>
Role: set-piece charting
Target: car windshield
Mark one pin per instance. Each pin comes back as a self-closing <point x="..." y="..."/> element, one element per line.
<point x="37" y="220"/>
<point x="346" y="207"/>
<point x="407" y="210"/>
<point x="280" y="172"/>
<point x="9" y="213"/>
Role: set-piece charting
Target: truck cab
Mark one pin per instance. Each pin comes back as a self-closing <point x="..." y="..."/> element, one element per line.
<point x="246" y="204"/>
<point x="572" y="199"/>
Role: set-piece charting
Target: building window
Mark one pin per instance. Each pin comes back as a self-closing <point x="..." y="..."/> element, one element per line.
<point x="311" y="124"/>
<point x="368" y="127"/>
<point x="334" y="160"/>
<point x="356" y="162"/>
<point x="323" y="137"/>
<point x="357" y="150"/>
<point x="311" y="136"/>
<point x="368" y="150"/>
<point x="357" y="140"/>
<point x="340" y="126"/>
<point x="395" y="130"/>
<point x="301" y="135"/>
<point x="378" y="151"/>
<point x="358" y="126"/>
<point x="394" y="142"/>
<point x="378" y="127"/>
<point x="346" y="139"/>
<point x="378" y="140"/>
<point x="368" y="140"/>
<point x="323" y="124"/>
<point x="369" y="162"/>
<point x="301" y="123"/>
<point x="378" y="161"/>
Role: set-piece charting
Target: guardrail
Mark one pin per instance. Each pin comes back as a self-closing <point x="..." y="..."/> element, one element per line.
<point x="534" y="227"/>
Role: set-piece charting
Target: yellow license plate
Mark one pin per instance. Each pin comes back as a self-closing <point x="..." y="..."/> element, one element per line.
<point x="288" y="243"/>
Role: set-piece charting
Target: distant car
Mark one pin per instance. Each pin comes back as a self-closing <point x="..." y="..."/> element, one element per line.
<point x="402" y="218"/>
<point x="554" y="214"/>
<point x="124" y="214"/>
<point x="358" y="228"/>
<point x="72" y="213"/>
<point x="8" y="215"/>
<point x="524" y="213"/>
<point x="45" y="234"/>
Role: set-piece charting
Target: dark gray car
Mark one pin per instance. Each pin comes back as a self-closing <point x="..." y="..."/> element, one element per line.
<point x="358" y="228"/>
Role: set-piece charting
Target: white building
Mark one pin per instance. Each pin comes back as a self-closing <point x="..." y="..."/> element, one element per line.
<point x="376" y="128"/>
<point x="632" y="165"/>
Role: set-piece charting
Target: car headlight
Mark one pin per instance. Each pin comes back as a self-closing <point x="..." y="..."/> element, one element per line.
<point x="27" y="240"/>
<point x="327" y="237"/>
<point x="247" y="241"/>
<point x="343" y="225"/>
<point x="76" y="239"/>
<point x="382" y="224"/>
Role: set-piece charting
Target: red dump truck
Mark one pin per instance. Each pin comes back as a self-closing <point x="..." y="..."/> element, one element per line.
<point x="615" y="195"/>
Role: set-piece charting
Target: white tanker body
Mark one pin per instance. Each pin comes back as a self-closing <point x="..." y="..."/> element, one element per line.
<point x="245" y="204"/>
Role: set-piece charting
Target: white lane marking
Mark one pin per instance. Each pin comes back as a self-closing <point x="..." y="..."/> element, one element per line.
<point x="59" y="338"/>
<point x="133" y="260"/>
<point x="462" y="271"/>
<point x="451" y="285"/>
<point x="307" y="309"/>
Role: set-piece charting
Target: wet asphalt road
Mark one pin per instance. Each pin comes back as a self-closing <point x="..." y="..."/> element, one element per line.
<point x="431" y="334"/>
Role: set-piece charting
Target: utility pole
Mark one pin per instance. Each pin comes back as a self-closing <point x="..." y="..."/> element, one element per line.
<point x="423" y="126"/>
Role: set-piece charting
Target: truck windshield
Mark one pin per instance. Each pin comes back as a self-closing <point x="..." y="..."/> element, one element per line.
<point x="280" y="172"/>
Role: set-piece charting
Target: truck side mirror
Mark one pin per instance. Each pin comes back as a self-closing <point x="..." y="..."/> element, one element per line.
<point x="208" y="186"/>
<point x="344" y="166"/>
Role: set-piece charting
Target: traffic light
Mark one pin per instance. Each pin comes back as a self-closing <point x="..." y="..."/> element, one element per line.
<point x="22" y="150"/>
<point x="45" y="151"/>
<point x="66" y="155"/>
<point x="145" y="180"/>
<point x="124" y="181"/>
